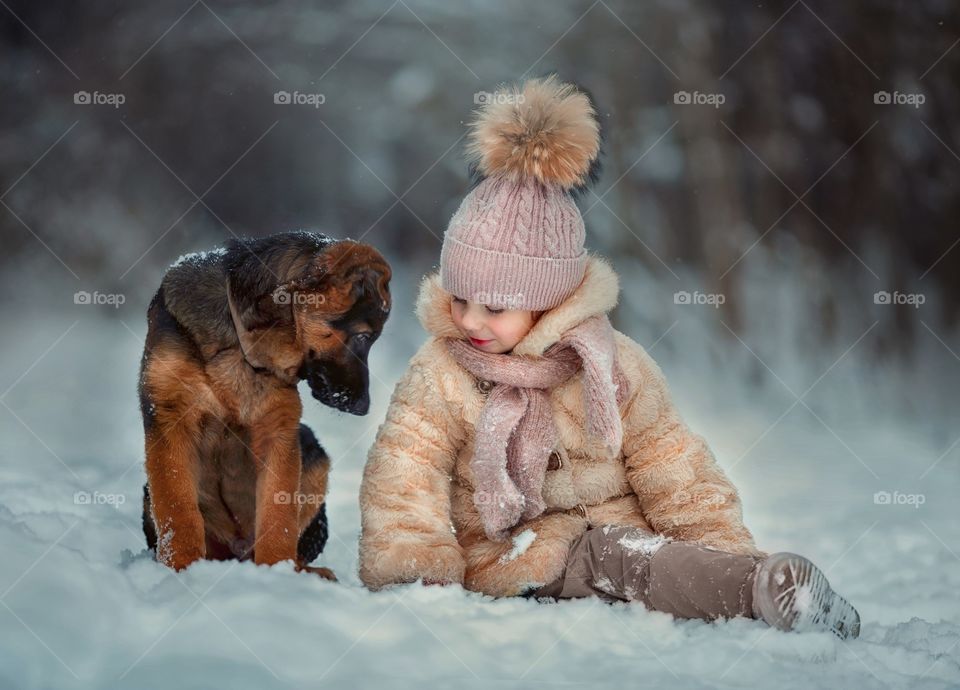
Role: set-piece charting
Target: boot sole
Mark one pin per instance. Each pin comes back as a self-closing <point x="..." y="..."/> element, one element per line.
<point x="810" y="604"/>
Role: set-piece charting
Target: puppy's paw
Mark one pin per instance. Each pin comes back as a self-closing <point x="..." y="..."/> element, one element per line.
<point x="325" y="573"/>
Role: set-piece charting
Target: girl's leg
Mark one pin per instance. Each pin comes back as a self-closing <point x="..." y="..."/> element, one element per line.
<point x="620" y="563"/>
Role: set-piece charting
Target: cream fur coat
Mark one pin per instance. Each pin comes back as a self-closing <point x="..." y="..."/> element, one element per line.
<point x="416" y="499"/>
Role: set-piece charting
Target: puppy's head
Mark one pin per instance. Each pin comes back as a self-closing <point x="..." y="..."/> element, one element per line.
<point x="311" y="311"/>
<point x="337" y="322"/>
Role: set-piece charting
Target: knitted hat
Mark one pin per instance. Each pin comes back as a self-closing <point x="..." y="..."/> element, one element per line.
<point x="517" y="240"/>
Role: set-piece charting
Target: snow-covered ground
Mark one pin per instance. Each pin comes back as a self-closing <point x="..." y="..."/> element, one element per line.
<point x="83" y="605"/>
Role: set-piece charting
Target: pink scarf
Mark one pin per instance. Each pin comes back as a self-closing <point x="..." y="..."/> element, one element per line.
<point x="515" y="433"/>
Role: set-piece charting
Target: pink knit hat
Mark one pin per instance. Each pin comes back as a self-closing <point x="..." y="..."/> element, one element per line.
<point x="517" y="240"/>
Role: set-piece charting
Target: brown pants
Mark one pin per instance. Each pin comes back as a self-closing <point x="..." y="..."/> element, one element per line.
<point x="620" y="563"/>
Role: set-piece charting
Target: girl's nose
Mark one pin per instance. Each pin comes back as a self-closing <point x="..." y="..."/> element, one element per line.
<point x="472" y="320"/>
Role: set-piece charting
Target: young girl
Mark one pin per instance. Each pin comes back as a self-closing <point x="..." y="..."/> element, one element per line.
<point x="532" y="450"/>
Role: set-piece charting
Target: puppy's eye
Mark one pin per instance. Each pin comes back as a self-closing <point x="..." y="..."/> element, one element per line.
<point x="363" y="337"/>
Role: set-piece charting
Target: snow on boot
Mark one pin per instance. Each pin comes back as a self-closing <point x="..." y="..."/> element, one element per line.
<point x="791" y="593"/>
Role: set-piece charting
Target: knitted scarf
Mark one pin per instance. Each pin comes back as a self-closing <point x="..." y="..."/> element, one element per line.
<point x="515" y="432"/>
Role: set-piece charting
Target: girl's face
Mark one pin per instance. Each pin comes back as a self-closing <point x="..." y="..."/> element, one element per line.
<point x="492" y="330"/>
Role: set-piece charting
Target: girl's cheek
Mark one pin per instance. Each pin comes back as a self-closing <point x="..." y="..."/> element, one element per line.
<point x="456" y="315"/>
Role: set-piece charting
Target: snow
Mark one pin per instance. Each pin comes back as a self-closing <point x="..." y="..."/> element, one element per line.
<point x="199" y="257"/>
<point x="603" y="583"/>
<point x="803" y="599"/>
<point x="83" y="606"/>
<point x="521" y="543"/>
<point x="646" y="546"/>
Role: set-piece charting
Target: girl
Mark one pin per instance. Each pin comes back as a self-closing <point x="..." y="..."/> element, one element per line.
<point x="532" y="450"/>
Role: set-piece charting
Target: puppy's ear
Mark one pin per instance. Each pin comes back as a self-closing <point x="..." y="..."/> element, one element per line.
<point x="351" y="271"/>
<point x="316" y="280"/>
<point x="373" y="284"/>
<point x="256" y="310"/>
<point x="258" y="272"/>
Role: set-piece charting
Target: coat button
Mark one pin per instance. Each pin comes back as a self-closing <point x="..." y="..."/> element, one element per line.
<point x="485" y="386"/>
<point x="555" y="462"/>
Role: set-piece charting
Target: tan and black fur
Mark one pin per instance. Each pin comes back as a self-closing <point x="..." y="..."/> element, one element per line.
<point x="231" y="471"/>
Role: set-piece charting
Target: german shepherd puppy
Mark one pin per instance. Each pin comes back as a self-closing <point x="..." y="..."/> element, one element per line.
<point x="231" y="471"/>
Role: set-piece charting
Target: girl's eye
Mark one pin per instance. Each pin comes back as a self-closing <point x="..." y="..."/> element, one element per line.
<point x="459" y="301"/>
<point x="494" y="311"/>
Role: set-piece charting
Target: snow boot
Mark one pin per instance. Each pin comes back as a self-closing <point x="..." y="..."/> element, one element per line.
<point x="791" y="593"/>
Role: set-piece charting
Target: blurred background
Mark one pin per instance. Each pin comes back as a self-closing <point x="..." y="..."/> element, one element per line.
<point x="780" y="198"/>
<point x="750" y="152"/>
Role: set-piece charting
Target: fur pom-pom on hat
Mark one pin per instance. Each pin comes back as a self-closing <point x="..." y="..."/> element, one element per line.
<point x="517" y="239"/>
<point x="544" y="130"/>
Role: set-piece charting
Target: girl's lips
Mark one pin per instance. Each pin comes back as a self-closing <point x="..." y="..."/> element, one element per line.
<point x="480" y="342"/>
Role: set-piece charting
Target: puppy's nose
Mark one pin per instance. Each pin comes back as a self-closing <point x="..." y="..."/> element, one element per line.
<point x="361" y="406"/>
